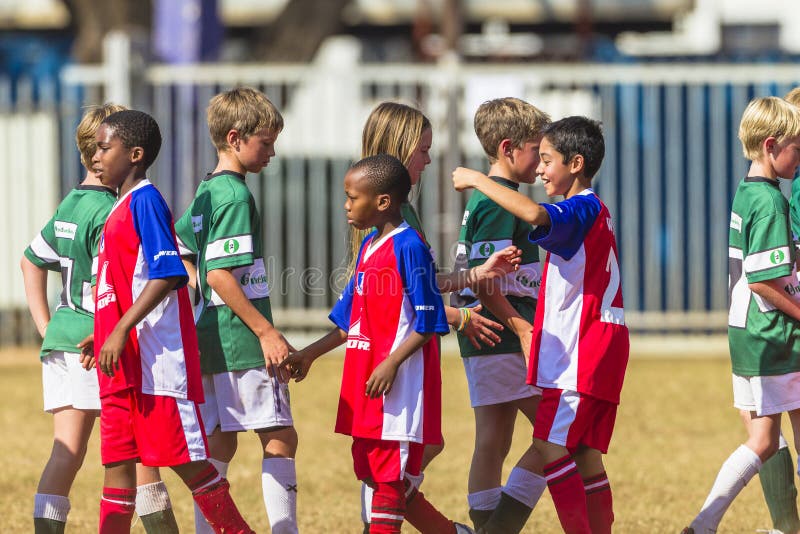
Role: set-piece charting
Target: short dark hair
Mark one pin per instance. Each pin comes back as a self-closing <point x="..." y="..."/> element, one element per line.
<point x="578" y="135"/>
<point x="136" y="128"/>
<point x="386" y="175"/>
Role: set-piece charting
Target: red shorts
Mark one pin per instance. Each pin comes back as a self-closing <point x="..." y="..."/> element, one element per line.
<point x="386" y="461"/>
<point x="571" y="419"/>
<point x="160" y="431"/>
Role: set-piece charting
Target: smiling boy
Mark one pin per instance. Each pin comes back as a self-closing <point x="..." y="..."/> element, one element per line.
<point x="580" y="341"/>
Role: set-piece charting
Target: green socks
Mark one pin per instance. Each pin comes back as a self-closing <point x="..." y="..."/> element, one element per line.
<point x="44" y="525"/>
<point x="777" y="481"/>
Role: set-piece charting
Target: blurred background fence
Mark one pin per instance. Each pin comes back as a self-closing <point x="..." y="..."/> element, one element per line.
<point x="672" y="160"/>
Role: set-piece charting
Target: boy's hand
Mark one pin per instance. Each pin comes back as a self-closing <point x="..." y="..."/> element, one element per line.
<point x="297" y="364"/>
<point x="87" y="352"/>
<point x="276" y="349"/>
<point x="479" y="329"/>
<point x="108" y="359"/>
<point x="500" y="263"/>
<point x="381" y="380"/>
<point x="464" y="178"/>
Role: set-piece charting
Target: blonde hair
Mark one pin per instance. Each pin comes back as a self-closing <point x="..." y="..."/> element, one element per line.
<point x="793" y="97"/>
<point x="395" y="129"/>
<point x="243" y="109"/>
<point x="87" y="129"/>
<point x="507" y="118"/>
<point x="767" y="117"/>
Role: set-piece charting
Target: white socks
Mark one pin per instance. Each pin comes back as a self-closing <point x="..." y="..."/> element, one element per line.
<point x="484" y="499"/>
<point x="524" y="486"/>
<point x="733" y="476"/>
<point x="279" y="483"/>
<point x="366" y="502"/>
<point x="152" y="498"/>
<point x="201" y="526"/>
<point x="54" y="507"/>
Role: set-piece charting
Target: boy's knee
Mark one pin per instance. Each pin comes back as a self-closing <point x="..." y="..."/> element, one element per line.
<point x="222" y="445"/>
<point x="493" y="443"/>
<point x="279" y="442"/>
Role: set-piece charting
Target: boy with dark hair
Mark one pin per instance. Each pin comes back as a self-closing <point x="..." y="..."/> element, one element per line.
<point x="68" y="244"/>
<point x="580" y="342"/>
<point x="509" y="130"/>
<point x="240" y="347"/>
<point x="389" y="315"/>
<point x="148" y="362"/>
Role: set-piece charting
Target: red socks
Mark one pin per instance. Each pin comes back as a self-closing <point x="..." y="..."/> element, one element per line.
<point x="388" y="508"/>
<point x="569" y="497"/>
<point x="116" y="510"/>
<point x="212" y="494"/>
<point x="599" y="503"/>
<point x="423" y="515"/>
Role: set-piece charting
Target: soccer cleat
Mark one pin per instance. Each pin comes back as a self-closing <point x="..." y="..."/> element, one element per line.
<point x="463" y="529"/>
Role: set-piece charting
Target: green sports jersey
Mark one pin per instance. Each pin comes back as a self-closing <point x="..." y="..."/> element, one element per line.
<point x="763" y="340"/>
<point x="485" y="228"/>
<point x="68" y="243"/>
<point x="222" y="228"/>
<point x="794" y="211"/>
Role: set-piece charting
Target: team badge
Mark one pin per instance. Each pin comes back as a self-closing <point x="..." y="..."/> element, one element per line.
<point x="360" y="282"/>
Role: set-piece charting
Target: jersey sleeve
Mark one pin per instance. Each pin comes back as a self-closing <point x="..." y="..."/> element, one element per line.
<point x="341" y="312"/>
<point x="93" y="242"/>
<point x="768" y="253"/>
<point x="419" y="281"/>
<point x="230" y="237"/>
<point x="570" y="221"/>
<point x="794" y="212"/>
<point x="153" y="223"/>
<point x="42" y="251"/>
<point x="184" y="232"/>
<point x="490" y="228"/>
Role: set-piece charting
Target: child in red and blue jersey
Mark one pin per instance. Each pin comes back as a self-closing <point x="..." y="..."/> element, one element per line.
<point x="580" y="342"/>
<point x="149" y="364"/>
<point x="389" y="314"/>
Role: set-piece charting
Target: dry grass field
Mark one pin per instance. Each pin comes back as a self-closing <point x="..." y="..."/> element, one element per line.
<point x="674" y="428"/>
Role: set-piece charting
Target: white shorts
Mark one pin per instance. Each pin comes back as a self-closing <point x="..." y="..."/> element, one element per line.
<point x="498" y="378"/>
<point x="245" y="400"/>
<point x="767" y="395"/>
<point x="66" y="383"/>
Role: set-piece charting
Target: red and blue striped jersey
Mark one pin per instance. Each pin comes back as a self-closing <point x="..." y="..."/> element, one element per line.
<point x="580" y="341"/>
<point x="393" y="293"/>
<point x="137" y="245"/>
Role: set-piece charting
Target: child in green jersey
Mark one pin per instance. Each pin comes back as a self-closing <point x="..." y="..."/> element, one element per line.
<point x="68" y="244"/>
<point x="239" y="348"/>
<point x="764" y="318"/>
<point x="509" y="130"/>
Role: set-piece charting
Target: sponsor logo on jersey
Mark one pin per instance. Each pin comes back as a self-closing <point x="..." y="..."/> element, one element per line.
<point x="105" y="291"/>
<point x="528" y="281"/>
<point x="230" y="246"/>
<point x="777" y="257"/>
<point x="65" y="230"/>
<point x="360" y="282"/>
<point x="464" y="220"/>
<point x="164" y="253"/>
<point x="355" y="340"/>
<point x="792" y="289"/>
<point x="736" y="222"/>
<point x="256" y="280"/>
<point x="424" y="308"/>
<point x="197" y="223"/>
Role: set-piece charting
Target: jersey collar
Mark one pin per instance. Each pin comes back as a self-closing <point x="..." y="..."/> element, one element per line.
<point x="762" y="180"/>
<point x="99" y="188"/>
<point x="505" y="182"/>
<point x="373" y="246"/>
<point x="240" y="176"/>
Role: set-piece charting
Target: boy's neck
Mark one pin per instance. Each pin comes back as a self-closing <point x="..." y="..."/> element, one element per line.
<point x="130" y="182"/>
<point x="229" y="162"/>
<point x="389" y="225"/>
<point x="501" y="169"/>
<point x="764" y="170"/>
<point x="580" y="185"/>
<point x="91" y="180"/>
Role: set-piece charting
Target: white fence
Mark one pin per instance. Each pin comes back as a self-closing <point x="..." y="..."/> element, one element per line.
<point x="672" y="158"/>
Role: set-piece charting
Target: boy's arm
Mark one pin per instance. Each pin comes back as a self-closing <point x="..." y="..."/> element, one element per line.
<point x="154" y="291"/>
<point x="772" y="291"/>
<point x="35" y="281"/>
<point x="191" y="270"/>
<point x="514" y="202"/>
<point x="299" y="363"/>
<point x="490" y="296"/>
<point x="382" y="377"/>
<point x="273" y="344"/>
<point x="497" y="265"/>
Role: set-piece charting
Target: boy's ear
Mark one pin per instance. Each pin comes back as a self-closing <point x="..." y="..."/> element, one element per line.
<point x="577" y="163"/>
<point x="137" y="154"/>
<point x="383" y="201"/>
<point x="234" y="139"/>
<point x="769" y="144"/>
<point x="505" y="148"/>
